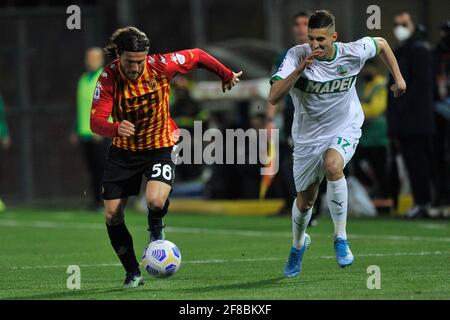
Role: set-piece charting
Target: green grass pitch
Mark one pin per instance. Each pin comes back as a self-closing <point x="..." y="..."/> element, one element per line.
<point x="222" y="258"/>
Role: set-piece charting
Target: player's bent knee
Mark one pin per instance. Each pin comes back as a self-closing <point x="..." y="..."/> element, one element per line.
<point x="303" y="205"/>
<point x="113" y="217"/>
<point x="114" y="214"/>
<point x="306" y="207"/>
<point x="159" y="212"/>
<point x="156" y="203"/>
<point x="332" y="169"/>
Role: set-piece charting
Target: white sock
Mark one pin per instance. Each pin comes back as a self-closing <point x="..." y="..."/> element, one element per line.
<point x="300" y="221"/>
<point x="337" y="196"/>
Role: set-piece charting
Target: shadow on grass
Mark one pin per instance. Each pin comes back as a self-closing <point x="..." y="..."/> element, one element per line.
<point x="68" y="294"/>
<point x="87" y="294"/>
<point x="235" y="286"/>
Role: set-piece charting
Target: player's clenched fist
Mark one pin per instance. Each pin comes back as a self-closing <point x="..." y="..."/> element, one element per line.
<point x="125" y="129"/>
<point x="310" y="59"/>
<point x="399" y="88"/>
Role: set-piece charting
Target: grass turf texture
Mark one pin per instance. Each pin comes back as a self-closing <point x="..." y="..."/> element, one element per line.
<point x="222" y="258"/>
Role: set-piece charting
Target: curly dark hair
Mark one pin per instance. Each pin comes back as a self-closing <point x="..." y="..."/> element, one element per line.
<point x="127" y="39"/>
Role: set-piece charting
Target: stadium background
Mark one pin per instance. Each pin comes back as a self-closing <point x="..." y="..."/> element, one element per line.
<point x="45" y="183"/>
<point x="41" y="61"/>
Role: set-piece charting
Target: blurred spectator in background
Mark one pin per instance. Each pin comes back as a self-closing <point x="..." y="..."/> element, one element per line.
<point x="237" y="181"/>
<point x="442" y="115"/>
<point x="249" y="175"/>
<point x="410" y="117"/>
<point x="370" y="162"/>
<point x="184" y="111"/>
<point x="5" y="140"/>
<point x="222" y="180"/>
<point x="282" y="120"/>
<point x="93" y="146"/>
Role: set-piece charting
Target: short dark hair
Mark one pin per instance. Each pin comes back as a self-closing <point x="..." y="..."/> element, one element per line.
<point x="127" y="39"/>
<point x="321" y="19"/>
<point x="301" y="14"/>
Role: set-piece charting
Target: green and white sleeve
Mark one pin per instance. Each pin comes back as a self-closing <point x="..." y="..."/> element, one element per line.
<point x="288" y="66"/>
<point x="367" y="48"/>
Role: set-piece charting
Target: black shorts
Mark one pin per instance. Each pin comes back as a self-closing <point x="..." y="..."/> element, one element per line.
<point x="124" y="170"/>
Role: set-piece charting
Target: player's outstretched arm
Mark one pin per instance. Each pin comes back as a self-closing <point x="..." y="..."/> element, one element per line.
<point x="186" y="61"/>
<point x="281" y="87"/>
<point x="388" y="57"/>
<point x="229" y="78"/>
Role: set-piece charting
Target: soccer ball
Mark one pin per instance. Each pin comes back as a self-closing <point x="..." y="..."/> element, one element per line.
<point x="161" y="258"/>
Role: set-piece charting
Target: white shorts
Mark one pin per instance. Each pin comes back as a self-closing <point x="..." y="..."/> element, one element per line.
<point x="308" y="161"/>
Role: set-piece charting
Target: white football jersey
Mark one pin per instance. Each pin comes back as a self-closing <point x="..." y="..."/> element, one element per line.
<point x="324" y="96"/>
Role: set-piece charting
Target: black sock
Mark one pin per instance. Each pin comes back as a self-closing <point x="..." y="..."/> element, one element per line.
<point x="122" y="242"/>
<point x="155" y="217"/>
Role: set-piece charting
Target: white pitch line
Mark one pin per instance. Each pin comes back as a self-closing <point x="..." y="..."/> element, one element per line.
<point x="397" y="237"/>
<point x="213" y="261"/>
<point x="50" y="224"/>
<point x="433" y="226"/>
<point x="191" y="230"/>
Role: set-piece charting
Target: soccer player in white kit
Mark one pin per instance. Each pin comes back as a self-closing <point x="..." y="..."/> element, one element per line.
<point x="320" y="77"/>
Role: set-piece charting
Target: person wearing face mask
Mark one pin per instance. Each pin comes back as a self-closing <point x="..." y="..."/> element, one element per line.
<point x="410" y="117"/>
<point x="442" y="115"/>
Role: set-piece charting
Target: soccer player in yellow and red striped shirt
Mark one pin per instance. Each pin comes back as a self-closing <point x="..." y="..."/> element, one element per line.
<point x="134" y="90"/>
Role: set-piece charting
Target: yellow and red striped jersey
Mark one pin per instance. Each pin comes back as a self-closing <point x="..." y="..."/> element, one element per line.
<point x="145" y="101"/>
